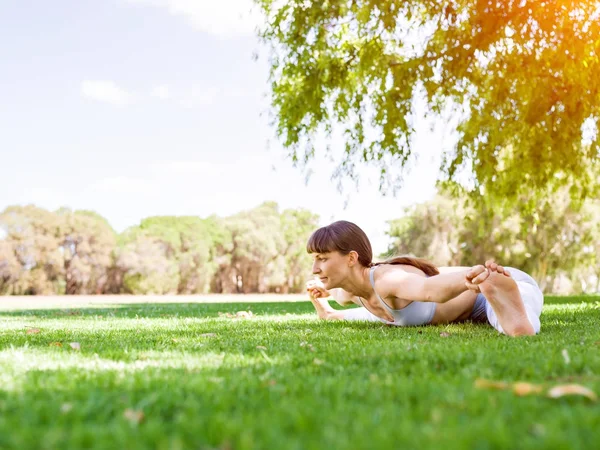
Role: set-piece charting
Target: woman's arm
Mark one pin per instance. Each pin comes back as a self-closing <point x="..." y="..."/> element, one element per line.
<point x="318" y="297"/>
<point x="342" y="297"/>
<point x="438" y="288"/>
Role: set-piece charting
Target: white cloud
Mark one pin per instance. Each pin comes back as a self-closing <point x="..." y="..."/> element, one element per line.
<point x="171" y="168"/>
<point x="162" y="92"/>
<point x="105" y="91"/>
<point x="201" y="96"/>
<point x="225" y="18"/>
<point x="124" y="185"/>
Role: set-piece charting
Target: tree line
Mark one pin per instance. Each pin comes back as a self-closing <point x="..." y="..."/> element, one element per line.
<point x="78" y="252"/>
<point x="262" y="250"/>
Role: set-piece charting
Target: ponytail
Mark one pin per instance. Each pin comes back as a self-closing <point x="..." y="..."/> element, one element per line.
<point x="422" y="264"/>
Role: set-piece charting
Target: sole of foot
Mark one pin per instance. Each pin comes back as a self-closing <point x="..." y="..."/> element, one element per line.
<point x="503" y="295"/>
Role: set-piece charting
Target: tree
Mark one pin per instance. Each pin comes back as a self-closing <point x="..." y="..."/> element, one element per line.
<point x="9" y="267"/>
<point x="297" y="225"/>
<point x="256" y="252"/>
<point x="186" y="242"/>
<point x="520" y="75"/>
<point x="557" y="240"/>
<point x="146" y="267"/>
<point x="31" y="255"/>
<point x="87" y="245"/>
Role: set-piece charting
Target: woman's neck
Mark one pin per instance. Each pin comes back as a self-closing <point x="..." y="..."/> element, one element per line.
<point x="358" y="283"/>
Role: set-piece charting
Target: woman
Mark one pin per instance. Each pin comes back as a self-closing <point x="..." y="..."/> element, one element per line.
<point x="407" y="291"/>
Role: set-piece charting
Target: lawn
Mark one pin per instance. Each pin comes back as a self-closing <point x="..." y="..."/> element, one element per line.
<point x="194" y="375"/>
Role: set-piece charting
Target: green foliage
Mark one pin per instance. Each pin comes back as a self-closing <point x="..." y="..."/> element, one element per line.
<point x="555" y="242"/>
<point x="267" y="252"/>
<point x="259" y="250"/>
<point x="183" y="248"/>
<point x="63" y="252"/>
<point x="519" y="76"/>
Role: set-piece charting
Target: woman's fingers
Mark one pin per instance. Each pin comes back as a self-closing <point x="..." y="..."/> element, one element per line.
<point x="478" y="274"/>
<point x="316" y="292"/>
<point x="472" y="287"/>
<point x="475" y="271"/>
<point x="481" y="277"/>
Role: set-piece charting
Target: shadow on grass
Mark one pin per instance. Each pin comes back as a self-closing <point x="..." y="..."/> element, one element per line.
<point x="166" y="310"/>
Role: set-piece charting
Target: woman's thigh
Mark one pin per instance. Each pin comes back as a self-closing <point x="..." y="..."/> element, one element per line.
<point x="455" y="310"/>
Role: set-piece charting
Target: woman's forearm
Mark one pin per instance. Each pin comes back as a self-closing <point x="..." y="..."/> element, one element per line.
<point x="446" y="286"/>
<point x="341" y="296"/>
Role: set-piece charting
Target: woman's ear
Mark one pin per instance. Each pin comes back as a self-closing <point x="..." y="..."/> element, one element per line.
<point x="352" y="258"/>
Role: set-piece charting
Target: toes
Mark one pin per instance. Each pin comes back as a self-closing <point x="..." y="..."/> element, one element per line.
<point x="503" y="271"/>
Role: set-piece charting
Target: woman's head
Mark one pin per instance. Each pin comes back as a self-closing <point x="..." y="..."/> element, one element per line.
<point x="343" y="237"/>
<point x="338" y="249"/>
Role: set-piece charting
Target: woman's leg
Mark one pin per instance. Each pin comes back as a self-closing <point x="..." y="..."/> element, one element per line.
<point x="514" y="303"/>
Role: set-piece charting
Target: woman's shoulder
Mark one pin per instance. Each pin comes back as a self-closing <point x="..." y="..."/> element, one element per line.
<point x="391" y="270"/>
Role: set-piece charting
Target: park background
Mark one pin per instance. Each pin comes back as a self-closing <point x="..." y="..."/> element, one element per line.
<point x="142" y="153"/>
<point x="159" y="153"/>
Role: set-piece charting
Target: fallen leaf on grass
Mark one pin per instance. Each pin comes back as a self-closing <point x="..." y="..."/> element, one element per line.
<point x="522" y="388"/>
<point x="480" y="383"/>
<point x="572" y="389"/>
<point x="133" y="416"/>
<point x="55" y="344"/>
<point x="75" y="346"/>
<point x="33" y="331"/>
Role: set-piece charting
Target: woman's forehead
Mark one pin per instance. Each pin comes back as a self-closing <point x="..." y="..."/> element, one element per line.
<point x="316" y="255"/>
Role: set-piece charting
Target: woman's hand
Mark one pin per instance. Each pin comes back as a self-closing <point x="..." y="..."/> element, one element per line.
<point x="477" y="275"/>
<point x="316" y="290"/>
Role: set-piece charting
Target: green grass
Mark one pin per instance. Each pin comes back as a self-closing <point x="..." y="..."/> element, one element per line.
<point x="284" y="380"/>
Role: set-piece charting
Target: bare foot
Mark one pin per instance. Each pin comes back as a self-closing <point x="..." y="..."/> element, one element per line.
<point x="502" y="293"/>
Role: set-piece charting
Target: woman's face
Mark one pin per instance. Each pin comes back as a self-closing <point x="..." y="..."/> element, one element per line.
<point x="330" y="267"/>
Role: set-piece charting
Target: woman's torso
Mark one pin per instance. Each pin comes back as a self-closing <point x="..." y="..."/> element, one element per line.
<point x="404" y="311"/>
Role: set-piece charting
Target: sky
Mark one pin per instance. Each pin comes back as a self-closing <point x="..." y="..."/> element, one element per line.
<point x="136" y="108"/>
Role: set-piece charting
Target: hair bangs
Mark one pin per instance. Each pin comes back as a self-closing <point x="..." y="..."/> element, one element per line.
<point x="321" y="241"/>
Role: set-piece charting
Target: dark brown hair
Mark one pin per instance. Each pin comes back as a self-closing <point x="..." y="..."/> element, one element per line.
<point x="343" y="236"/>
